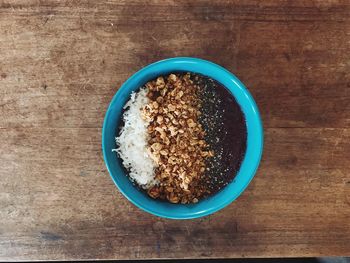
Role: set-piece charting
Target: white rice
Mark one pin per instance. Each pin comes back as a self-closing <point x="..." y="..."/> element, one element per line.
<point x="132" y="144"/>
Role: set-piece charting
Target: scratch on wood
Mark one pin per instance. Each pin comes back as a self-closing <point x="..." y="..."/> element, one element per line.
<point x="337" y="141"/>
<point x="47" y="19"/>
<point x="187" y="230"/>
<point x="158" y="247"/>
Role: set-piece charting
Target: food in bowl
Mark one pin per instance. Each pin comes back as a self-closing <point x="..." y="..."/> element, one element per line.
<point x="182" y="137"/>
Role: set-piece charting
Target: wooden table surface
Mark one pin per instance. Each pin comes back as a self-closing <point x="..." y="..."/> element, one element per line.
<point x="61" y="62"/>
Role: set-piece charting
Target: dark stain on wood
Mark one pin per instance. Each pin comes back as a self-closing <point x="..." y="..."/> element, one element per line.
<point x="50" y="236"/>
<point x="83" y="173"/>
<point x="290" y="161"/>
<point x="287" y="56"/>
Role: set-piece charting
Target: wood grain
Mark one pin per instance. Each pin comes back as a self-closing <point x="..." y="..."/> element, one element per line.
<point x="62" y="61"/>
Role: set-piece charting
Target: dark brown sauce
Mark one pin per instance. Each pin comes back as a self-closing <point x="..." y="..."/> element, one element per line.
<point x="226" y="132"/>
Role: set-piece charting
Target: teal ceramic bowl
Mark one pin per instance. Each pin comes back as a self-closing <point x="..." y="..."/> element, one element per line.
<point x="248" y="167"/>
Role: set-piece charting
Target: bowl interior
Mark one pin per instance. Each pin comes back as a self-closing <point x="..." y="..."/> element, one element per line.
<point x="248" y="167"/>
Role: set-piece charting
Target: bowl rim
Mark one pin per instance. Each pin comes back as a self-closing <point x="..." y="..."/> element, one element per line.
<point x="252" y="103"/>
